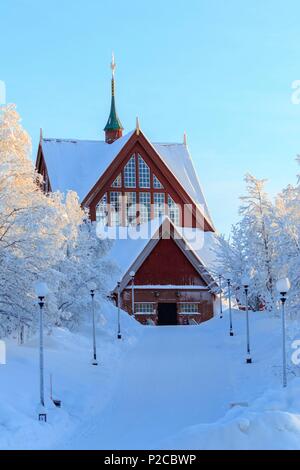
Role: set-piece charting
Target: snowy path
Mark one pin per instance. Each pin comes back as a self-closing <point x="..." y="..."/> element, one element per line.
<point x="150" y="388"/>
<point x="172" y="378"/>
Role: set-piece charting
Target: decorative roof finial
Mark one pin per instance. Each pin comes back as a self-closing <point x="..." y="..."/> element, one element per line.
<point x="41" y="134"/>
<point x="113" y="64"/>
<point x="185" y="139"/>
<point x="113" y="129"/>
<point x="137" y="127"/>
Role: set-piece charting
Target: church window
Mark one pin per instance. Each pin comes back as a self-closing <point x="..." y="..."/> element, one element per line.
<point x="173" y="211"/>
<point x="115" y="207"/>
<point x="144" y="174"/>
<point x="101" y="210"/>
<point x="144" y="308"/>
<point x="129" y="173"/>
<point x="188" y="308"/>
<point x="159" y="204"/>
<point x="156" y="183"/>
<point x="118" y="182"/>
<point x="130" y="208"/>
<point x="145" y="207"/>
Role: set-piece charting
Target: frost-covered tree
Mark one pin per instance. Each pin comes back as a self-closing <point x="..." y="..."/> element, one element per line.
<point x="30" y="224"/>
<point x="44" y="237"/>
<point x="288" y="235"/>
<point x="266" y="243"/>
<point x="252" y="248"/>
<point x="85" y="259"/>
<point x="261" y="248"/>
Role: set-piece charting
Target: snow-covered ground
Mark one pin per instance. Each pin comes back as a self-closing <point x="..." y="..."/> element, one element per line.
<point x="160" y="387"/>
<point x="84" y="389"/>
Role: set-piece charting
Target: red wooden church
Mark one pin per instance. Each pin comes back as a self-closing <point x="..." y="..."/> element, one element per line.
<point x="149" y="196"/>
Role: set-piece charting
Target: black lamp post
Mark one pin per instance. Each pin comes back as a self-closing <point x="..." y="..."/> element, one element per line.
<point x="132" y="275"/>
<point x="119" y="335"/>
<point x="41" y="291"/>
<point x="246" y="283"/>
<point x="220" y="289"/>
<point x="283" y="286"/>
<point x="92" y="288"/>
<point x="228" y="279"/>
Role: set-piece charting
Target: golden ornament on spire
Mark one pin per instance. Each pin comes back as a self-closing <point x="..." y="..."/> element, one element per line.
<point x="113" y="64"/>
<point x="185" y="139"/>
<point x="137" y="127"/>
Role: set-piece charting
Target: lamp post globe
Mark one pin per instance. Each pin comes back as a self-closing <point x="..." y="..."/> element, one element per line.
<point x="41" y="289"/>
<point x="92" y="286"/>
<point x="246" y="281"/>
<point x="283" y="286"/>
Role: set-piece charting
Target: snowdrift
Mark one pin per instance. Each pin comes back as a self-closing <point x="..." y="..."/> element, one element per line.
<point x="272" y="422"/>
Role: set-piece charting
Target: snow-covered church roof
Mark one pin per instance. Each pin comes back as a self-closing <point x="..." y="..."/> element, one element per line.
<point x="78" y="164"/>
<point x="178" y="159"/>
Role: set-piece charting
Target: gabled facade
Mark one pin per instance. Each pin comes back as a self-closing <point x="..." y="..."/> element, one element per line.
<point x="128" y="181"/>
<point x="171" y="283"/>
<point x="132" y="179"/>
<point x="138" y="186"/>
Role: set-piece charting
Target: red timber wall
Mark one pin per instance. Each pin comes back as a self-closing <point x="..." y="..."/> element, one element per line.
<point x="167" y="265"/>
<point x="138" y="145"/>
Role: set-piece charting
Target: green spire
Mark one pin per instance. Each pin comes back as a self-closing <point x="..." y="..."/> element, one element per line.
<point x="113" y="123"/>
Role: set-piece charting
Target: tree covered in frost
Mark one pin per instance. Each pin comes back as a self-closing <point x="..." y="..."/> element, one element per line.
<point x="253" y="246"/>
<point x="85" y="259"/>
<point x="30" y="224"/>
<point x="288" y="234"/>
<point x="41" y="237"/>
<point x="266" y="243"/>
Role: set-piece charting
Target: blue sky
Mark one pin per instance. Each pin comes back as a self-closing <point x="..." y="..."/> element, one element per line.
<point x="221" y="70"/>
